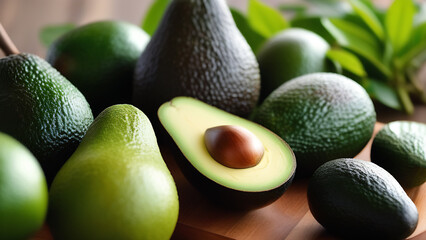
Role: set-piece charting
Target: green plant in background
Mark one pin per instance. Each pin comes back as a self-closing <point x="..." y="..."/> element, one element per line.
<point x="382" y="49"/>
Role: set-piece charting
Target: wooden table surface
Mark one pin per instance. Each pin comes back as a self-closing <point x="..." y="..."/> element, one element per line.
<point x="287" y="218"/>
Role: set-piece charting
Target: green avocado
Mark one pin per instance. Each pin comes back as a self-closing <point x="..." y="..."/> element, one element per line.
<point x="116" y="184"/>
<point x="322" y="116"/>
<point x="99" y="59"/>
<point x="360" y="200"/>
<point x="197" y="51"/>
<point x="187" y="119"/>
<point x="23" y="191"/>
<point x="289" y="54"/>
<point x="41" y="109"/>
<point x="400" y="148"/>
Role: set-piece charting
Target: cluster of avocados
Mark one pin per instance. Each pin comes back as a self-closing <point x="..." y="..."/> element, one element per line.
<point x="195" y="85"/>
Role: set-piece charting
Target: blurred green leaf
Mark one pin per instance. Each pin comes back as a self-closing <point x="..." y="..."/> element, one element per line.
<point x="399" y="23"/>
<point x="358" y="40"/>
<point x="313" y="24"/>
<point x="264" y="19"/>
<point x="153" y="16"/>
<point x="382" y="93"/>
<point x="369" y="17"/>
<point x="347" y="60"/>
<point x="49" y="34"/>
<point x="253" y="38"/>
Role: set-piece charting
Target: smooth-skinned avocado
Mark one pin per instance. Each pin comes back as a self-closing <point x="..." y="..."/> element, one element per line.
<point x="400" y="148"/>
<point x="116" y="184"/>
<point x="322" y="116"/>
<point x="237" y="185"/>
<point x="23" y="191"/>
<point x="290" y="53"/>
<point x="99" y="58"/>
<point x="197" y="51"/>
<point x="360" y="200"/>
<point x="42" y="109"/>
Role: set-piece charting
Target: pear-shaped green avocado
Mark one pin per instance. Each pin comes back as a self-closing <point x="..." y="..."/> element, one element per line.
<point x="23" y="191"/>
<point x="41" y="109"/>
<point x="197" y="51"/>
<point x="116" y="184"/>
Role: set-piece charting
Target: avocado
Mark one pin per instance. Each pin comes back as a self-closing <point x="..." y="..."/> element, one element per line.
<point x="188" y="120"/>
<point x="360" y="200"/>
<point x="99" y="59"/>
<point x="290" y="53"/>
<point x="197" y="51"/>
<point x="42" y="109"/>
<point x="400" y="148"/>
<point x="23" y="191"/>
<point x="322" y="116"/>
<point x="116" y="184"/>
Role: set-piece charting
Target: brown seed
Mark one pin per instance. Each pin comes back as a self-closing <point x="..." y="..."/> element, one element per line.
<point x="233" y="146"/>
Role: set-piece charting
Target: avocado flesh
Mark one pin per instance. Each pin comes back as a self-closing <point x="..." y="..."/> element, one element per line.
<point x="186" y="120"/>
<point x="42" y="109"/>
<point x="400" y="148"/>
<point x="197" y="51"/>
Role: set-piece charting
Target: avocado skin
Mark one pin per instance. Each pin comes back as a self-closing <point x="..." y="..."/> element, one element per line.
<point x="399" y="148"/>
<point x="197" y="51"/>
<point x="322" y="116"/>
<point x="99" y="59"/>
<point x="228" y="198"/>
<point x="116" y="184"/>
<point x="359" y="200"/>
<point x="42" y="110"/>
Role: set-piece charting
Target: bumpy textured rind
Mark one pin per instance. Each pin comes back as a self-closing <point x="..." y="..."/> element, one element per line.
<point x="322" y="116"/>
<point x="42" y="110"/>
<point x="400" y="148"/>
<point x="360" y="200"/>
<point x="197" y="51"/>
<point x="99" y="59"/>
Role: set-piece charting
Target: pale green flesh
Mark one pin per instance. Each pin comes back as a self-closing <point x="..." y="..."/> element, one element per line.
<point x="186" y="120"/>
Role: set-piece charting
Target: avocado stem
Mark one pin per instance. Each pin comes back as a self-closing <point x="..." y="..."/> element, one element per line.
<point x="6" y="43"/>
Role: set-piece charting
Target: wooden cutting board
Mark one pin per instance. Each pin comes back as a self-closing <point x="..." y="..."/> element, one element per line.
<point x="287" y="218"/>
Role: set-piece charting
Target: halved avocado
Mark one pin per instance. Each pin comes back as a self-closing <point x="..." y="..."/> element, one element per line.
<point x="186" y="120"/>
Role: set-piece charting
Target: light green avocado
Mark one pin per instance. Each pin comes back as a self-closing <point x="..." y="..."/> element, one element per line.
<point x="23" y="191"/>
<point x="116" y="185"/>
<point x="186" y="120"/>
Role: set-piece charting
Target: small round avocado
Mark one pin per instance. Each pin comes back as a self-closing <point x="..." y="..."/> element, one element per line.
<point x="322" y="116"/>
<point x="186" y="121"/>
<point x="99" y="59"/>
<point x="360" y="200"/>
<point x="289" y="54"/>
<point x="400" y="148"/>
<point x="23" y="191"/>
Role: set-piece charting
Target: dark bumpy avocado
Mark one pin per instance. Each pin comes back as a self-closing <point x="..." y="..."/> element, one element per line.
<point x="42" y="110"/>
<point x="399" y="147"/>
<point x="360" y="200"/>
<point x="99" y="59"/>
<point x="187" y="119"/>
<point x="322" y="116"/>
<point x="197" y="51"/>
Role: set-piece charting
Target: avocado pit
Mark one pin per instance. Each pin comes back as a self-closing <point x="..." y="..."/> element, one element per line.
<point x="233" y="146"/>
